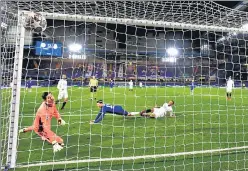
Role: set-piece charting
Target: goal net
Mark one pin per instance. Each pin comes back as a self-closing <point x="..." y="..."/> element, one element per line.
<point x="182" y="51"/>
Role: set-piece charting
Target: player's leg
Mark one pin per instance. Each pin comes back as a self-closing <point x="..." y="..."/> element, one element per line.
<point x="144" y="113"/>
<point x="95" y="92"/>
<point x="65" y="95"/>
<point x="52" y="138"/>
<point x="24" y="130"/>
<point x="60" y="96"/>
<point x="192" y="91"/>
<point x="91" y="93"/>
<point x="30" y="89"/>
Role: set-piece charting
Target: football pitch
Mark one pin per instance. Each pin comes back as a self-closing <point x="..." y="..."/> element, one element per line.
<point x="204" y="121"/>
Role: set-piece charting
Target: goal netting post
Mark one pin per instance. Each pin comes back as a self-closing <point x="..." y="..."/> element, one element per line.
<point x="181" y="51"/>
<point x="12" y="45"/>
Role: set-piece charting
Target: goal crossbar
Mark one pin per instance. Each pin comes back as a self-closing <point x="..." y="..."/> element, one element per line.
<point x="141" y="22"/>
<point x="136" y="157"/>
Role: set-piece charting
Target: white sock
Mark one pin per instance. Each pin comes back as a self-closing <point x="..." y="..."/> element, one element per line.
<point x="134" y="113"/>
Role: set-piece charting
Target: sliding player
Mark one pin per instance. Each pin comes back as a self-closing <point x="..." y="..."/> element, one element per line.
<point x="156" y="112"/>
<point x="29" y="85"/>
<point x="192" y="87"/>
<point x="229" y="87"/>
<point x="42" y="123"/>
<point x="93" y="84"/>
<point x="111" y="84"/>
<point x="106" y="108"/>
<point x="63" y="93"/>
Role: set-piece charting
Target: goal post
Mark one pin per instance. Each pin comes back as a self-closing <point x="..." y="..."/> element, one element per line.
<point x="16" y="92"/>
<point x="150" y="54"/>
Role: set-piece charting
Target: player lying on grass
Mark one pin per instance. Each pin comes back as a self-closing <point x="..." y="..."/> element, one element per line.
<point x="42" y="123"/>
<point x="106" y="108"/>
<point x="157" y="112"/>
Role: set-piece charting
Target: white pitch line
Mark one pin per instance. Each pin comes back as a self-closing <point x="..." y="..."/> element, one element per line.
<point x="94" y="113"/>
<point x="135" y="157"/>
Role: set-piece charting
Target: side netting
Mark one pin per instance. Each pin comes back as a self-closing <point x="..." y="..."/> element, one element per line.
<point x="180" y="51"/>
<point x="8" y="33"/>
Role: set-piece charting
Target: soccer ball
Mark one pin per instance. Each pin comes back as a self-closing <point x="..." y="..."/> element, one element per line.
<point x="35" y="22"/>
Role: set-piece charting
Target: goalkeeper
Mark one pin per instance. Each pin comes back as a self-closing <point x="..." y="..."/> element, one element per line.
<point x="42" y="123"/>
<point x="106" y="108"/>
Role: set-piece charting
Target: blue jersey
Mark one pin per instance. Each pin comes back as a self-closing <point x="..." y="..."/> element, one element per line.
<point x="110" y="109"/>
<point x="192" y="86"/>
<point x="29" y="84"/>
<point x="111" y="84"/>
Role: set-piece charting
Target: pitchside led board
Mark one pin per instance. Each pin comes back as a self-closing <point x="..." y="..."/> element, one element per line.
<point x="45" y="48"/>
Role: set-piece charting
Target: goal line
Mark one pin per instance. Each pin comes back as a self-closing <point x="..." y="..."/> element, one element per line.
<point x="135" y="157"/>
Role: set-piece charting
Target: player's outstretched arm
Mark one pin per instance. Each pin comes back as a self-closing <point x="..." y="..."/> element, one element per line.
<point x="99" y="117"/>
<point x="57" y="116"/>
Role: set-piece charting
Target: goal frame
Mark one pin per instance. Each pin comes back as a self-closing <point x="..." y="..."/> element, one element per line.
<point x="16" y="92"/>
<point x="17" y="73"/>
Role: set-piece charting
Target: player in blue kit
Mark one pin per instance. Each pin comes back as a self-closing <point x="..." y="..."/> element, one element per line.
<point x="29" y="85"/>
<point x="192" y="87"/>
<point x="113" y="109"/>
<point x="111" y="85"/>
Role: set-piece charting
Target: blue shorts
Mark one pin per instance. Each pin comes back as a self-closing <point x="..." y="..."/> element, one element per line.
<point x="192" y="87"/>
<point x="120" y="111"/>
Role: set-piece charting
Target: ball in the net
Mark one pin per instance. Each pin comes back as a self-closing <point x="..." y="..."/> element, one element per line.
<point x="35" y="22"/>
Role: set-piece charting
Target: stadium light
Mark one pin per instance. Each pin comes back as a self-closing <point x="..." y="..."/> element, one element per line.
<point x="172" y="52"/>
<point x="75" y="47"/>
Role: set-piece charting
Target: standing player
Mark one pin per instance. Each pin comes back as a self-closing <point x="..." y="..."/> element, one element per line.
<point x="111" y="84"/>
<point x="63" y="93"/>
<point x="130" y="85"/>
<point x="192" y="87"/>
<point x="229" y="87"/>
<point x="29" y="85"/>
<point x="140" y="84"/>
<point x="106" y="108"/>
<point x="93" y="87"/>
<point x="157" y="112"/>
<point x="42" y="123"/>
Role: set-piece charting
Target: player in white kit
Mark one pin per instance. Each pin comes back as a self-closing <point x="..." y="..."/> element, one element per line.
<point x="140" y="84"/>
<point x="229" y="87"/>
<point x="130" y="85"/>
<point x="157" y="112"/>
<point x="63" y="93"/>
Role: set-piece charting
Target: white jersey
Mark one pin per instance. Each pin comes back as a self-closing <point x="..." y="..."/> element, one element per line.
<point x="130" y="84"/>
<point x="140" y="84"/>
<point x="165" y="110"/>
<point x="62" y="85"/>
<point x="230" y="84"/>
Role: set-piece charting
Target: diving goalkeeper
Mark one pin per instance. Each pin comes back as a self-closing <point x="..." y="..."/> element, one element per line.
<point x="42" y="123"/>
<point x="106" y="108"/>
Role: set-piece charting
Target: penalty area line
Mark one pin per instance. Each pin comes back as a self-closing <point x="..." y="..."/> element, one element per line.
<point x="134" y="157"/>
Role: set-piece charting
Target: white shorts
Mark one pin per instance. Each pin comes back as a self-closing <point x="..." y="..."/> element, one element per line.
<point x="228" y="90"/>
<point x="158" y="112"/>
<point x="63" y="94"/>
<point x="130" y="87"/>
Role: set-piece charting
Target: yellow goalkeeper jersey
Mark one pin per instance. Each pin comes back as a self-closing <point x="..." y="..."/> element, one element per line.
<point x="93" y="82"/>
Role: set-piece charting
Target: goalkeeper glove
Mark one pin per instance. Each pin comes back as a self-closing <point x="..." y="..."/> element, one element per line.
<point x="61" y="122"/>
<point x="56" y="147"/>
<point x="22" y="130"/>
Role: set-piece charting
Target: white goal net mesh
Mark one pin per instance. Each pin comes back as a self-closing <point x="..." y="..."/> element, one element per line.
<point x="182" y="51"/>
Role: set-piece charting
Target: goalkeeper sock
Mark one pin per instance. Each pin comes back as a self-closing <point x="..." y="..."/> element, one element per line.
<point x="57" y="101"/>
<point x="64" y="103"/>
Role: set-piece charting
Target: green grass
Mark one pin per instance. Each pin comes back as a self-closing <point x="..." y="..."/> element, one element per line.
<point x="204" y="121"/>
